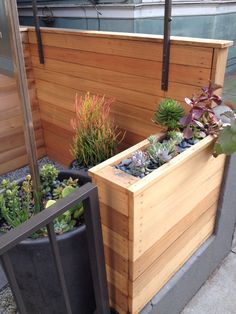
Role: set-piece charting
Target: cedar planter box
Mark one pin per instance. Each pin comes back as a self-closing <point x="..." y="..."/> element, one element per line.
<point x="151" y="226"/>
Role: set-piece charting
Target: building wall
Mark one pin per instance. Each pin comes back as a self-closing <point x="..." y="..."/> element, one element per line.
<point x="213" y="19"/>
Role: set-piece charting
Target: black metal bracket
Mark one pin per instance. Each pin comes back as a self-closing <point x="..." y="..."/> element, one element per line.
<point x="37" y="31"/>
<point x="166" y="45"/>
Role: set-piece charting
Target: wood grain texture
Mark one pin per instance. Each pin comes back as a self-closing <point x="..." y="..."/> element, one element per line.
<point x="171" y="212"/>
<point x="122" y="66"/>
<point x="148" y="231"/>
<point x="13" y="151"/>
<point x="146" y="37"/>
<point x="218" y="66"/>
<point x="171" y="209"/>
<point x="150" y="255"/>
<point x="146" y="286"/>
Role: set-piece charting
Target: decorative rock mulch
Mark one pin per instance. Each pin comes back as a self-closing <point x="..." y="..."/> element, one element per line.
<point x="7" y="304"/>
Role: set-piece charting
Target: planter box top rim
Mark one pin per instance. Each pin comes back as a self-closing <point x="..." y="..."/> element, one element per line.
<point x="178" y="40"/>
<point x="119" y="178"/>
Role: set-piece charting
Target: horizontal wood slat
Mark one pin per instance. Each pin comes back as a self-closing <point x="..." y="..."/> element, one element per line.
<point x="115" y="241"/>
<point x="160" y="272"/>
<point x="171" y="208"/>
<point x="171" y="212"/>
<point x="122" y="66"/>
<point x="179" y="40"/>
<point x="140" y="48"/>
<point x="13" y="151"/>
<point x="116" y="261"/>
<point x="150" y="255"/>
<point x="114" y="220"/>
<point x="86" y="63"/>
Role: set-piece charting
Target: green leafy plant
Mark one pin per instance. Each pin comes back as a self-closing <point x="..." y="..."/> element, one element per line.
<point x="66" y="221"/>
<point x="161" y="152"/>
<point x="48" y="177"/>
<point x="176" y="136"/>
<point x="204" y="119"/>
<point x="208" y="115"/>
<point x="168" y="114"/>
<point x="17" y="203"/>
<point x="226" y="140"/>
<point x="96" y="135"/>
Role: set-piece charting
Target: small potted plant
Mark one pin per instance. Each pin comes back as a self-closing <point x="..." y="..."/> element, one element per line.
<point x="96" y="135"/>
<point x="159" y="198"/>
<point x="32" y="258"/>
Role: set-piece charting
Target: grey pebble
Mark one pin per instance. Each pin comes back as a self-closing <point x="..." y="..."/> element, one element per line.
<point x="22" y="172"/>
<point x="7" y="304"/>
<point x="126" y="162"/>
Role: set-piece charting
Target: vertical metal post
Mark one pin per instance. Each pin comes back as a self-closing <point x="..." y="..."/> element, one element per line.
<point x="7" y="265"/>
<point x="59" y="267"/>
<point x="96" y="252"/>
<point x="20" y="74"/>
<point x="37" y="31"/>
<point x="166" y="45"/>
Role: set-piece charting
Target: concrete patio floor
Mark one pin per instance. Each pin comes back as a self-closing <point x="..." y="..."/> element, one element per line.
<point x="217" y="295"/>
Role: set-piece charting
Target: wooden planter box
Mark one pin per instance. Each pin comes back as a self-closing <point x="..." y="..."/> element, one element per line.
<point x="151" y="226"/>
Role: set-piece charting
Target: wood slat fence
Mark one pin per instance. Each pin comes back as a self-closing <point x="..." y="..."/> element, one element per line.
<point x="12" y="144"/>
<point x="126" y="67"/>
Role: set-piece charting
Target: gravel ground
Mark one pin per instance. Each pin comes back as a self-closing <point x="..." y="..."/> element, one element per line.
<point x="22" y="172"/>
<point x="7" y="304"/>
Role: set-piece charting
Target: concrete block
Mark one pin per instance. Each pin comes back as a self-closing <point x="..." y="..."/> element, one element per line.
<point x="218" y="294"/>
<point x="147" y="309"/>
<point x="3" y="279"/>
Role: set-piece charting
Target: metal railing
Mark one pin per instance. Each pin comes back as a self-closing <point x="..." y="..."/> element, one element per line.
<point x="89" y="196"/>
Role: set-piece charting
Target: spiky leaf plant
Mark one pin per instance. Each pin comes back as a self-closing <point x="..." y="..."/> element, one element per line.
<point x="168" y="114"/>
<point x="96" y="135"/>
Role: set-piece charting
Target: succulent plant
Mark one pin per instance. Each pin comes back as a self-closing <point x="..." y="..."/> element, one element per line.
<point x="176" y="136"/>
<point x="226" y="141"/>
<point x="17" y="203"/>
<point x="161" y="152"/>
<point x="48" y="176"/>
<point x="139" y="162"/>
<point x="168" y="114"/>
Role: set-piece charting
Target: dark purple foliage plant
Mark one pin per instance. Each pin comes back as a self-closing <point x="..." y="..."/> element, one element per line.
<point x="201" y="119"/>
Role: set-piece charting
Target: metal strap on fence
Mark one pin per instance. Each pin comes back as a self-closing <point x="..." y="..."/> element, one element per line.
<point x="89" y="196"/>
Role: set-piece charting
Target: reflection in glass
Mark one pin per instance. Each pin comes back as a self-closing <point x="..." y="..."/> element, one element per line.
<point x="6" y="64"/>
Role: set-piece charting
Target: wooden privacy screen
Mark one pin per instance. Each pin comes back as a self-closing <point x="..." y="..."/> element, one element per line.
<point x="124" y="66"/>
<point x="12" y="145"/>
